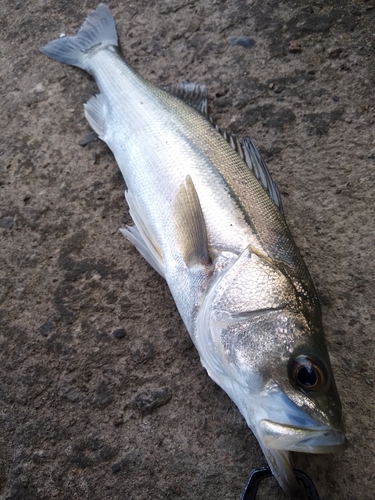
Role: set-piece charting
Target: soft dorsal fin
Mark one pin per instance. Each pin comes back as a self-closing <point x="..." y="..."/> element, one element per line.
<point x="259" y="168"/>
<point x="194" y="94"/>
<point x="251" y="156"/>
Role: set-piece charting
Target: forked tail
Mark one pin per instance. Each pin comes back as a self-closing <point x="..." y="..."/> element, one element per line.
<point x="97" y="31"/>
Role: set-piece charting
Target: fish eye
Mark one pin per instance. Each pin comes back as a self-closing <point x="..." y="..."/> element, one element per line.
<point x="308" y="373"/>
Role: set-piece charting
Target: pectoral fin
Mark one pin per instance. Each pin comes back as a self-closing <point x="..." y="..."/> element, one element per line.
<point x="190" y="227"/>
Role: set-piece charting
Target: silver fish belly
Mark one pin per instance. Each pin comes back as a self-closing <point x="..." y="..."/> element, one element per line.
<point x="208" y="218"/>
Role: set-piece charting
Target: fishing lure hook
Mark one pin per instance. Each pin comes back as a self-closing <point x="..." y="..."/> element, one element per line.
<point x="250" y="490"/>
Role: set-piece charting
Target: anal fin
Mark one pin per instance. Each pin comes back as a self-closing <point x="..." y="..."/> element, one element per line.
<point x="95" y="112"/>
<point x="88" y="138"/>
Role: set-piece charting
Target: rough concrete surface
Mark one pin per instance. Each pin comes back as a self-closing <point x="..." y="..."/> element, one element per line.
<point x="102" y="395"/>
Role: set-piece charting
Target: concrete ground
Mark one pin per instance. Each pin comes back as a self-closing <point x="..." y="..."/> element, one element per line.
<point x="102" y="395"/>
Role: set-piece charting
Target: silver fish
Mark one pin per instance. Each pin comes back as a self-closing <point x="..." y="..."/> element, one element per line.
<point x="209" y="219"/>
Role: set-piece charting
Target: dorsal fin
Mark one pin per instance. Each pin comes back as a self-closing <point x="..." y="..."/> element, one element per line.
<point x="194" y="94"/>
<point x="251" y="156"/>
<point x="259" y="168"/>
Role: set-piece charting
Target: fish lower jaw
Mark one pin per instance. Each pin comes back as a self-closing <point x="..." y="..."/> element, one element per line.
<point x="288" y="438"/>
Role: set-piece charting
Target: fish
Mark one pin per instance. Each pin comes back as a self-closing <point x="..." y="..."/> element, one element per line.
<point x="209" y="219"/>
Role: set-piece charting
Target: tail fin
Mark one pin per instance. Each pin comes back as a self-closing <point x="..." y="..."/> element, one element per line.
<point x="98" y="29"/>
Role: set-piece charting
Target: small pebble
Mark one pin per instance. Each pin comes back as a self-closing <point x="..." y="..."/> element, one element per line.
<point x="294" y="46"/>
<point x="119" y="333"/>
<point x="334" y="52"/>
<point x="7" y="222"/>
<point x="241" y="41"/>
<point x="40" y="453"/>
<point x="116" y="467"/>
<point x="119" y="421"/>
<point x="46" y="328"/>
<point x="145" y="401"/>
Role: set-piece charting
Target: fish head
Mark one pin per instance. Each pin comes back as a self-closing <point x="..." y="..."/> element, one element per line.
<point x="268" y="353"/>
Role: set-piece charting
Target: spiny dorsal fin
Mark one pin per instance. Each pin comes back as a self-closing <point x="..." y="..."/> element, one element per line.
<point x="190" y="227"/>
<point x="251" y="156"/>
<point x="194" y="94"/>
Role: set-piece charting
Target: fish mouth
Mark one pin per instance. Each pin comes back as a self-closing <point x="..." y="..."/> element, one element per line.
<point x="321" y="439"/>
